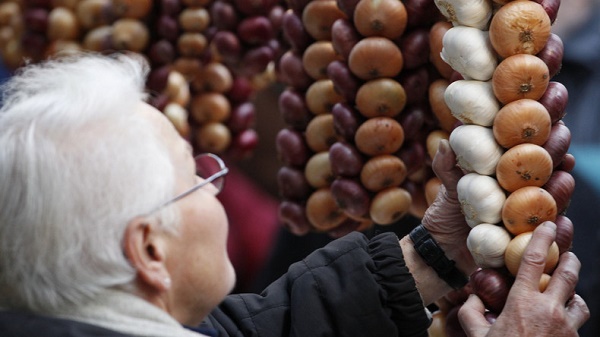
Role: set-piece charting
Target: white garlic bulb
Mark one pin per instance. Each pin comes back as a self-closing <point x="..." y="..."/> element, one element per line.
<point x="487" y="244"/>
<point x="469" y="51"/>
<point x="472" y="102"/>
<point x="472" y="13"/>
<point x="481" y="199"/>
<point x="476" y="148"/>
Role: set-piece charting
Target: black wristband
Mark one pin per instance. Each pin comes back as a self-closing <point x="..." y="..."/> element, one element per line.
<point x="435" y="257"/>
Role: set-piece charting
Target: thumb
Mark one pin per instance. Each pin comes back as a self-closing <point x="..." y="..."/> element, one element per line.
<point x="472" y="317"/>
<point x="445" y="168"/>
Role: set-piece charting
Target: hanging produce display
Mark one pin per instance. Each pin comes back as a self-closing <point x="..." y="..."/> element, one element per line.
<point x="369" y="88"/>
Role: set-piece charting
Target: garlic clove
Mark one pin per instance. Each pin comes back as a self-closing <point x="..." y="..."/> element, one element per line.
<point x="472" y="102"/>
<point x="472" y="13"/>
<point x="476" y="148"/>
<point x="469" y="51"/>
<point x="481" y="199"/>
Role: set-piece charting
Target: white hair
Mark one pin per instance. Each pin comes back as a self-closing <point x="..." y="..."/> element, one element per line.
<point x="75" y="166"/>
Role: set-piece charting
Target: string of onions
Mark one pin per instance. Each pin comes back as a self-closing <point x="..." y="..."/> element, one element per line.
<point x="506" y="143"/>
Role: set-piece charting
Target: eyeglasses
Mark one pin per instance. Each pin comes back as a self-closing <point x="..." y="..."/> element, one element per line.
<point x="209" y="167"/>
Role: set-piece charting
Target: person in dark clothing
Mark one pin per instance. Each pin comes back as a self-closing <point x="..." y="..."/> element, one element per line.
<point x="109" y="226"/>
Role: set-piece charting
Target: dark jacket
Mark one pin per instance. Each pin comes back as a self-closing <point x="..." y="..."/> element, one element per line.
<point x="352" y="287"/>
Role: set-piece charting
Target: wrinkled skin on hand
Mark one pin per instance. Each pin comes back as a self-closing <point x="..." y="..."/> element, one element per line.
<point x="444" y="218"/>
<point x="529" y="312"/>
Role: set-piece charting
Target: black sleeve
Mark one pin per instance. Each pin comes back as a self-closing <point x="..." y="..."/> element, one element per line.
<point x="351" y="287"/>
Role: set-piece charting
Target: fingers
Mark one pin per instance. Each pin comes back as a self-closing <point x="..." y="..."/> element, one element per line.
<point x="578" y="311"/>
<point x="564" y="279"/>
<point x="534" y="258"/>
<point x="444" y="166"/>
<point x="472" y="315"/>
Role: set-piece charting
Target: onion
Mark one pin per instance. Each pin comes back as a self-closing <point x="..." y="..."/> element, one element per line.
<point x="322" y="211"/>
<point x="292" y="184"/>
<point x="519" y="27"/>
<point x="344" y="82"/>
<point x="561" y="186"/>
<point x="555" y="100"/>
<point x="389" y="205"/>
<point x="524" y="165"/>
<point x="526" y="208"/>
<point x="552" y="54"/>
<point x="321" y="97"/>
<point x="415" y="48"/>
<point x="343" y="37"/>
<point x="437" y="101"/>
<point x="492" y="287"/>
<point x="317" y="57"/>
<point x="383" y="171"/>
<point x="379" y="135"/>
<point x="551" y="7"/>
<point x="345" y="160"/>
<point x="436" y="36"/>
<point x="516" y="248"/>
<point x="520" y="76"/>
<point x="346" y="120"/>
<point x="382" y="97"/>
<point x="319" y="16"/>
<point x="433" y="141"/>
<point x="320" y="134"/>
<point x="386" y="18"/>
<point x="564" y="233"/>
<point x="293" y="217"/>
<point x="318" y="170"/>
<point x="558" y="143"/>
<point x="351" y="197"/>
<point x="522" y="121"/>
<point x="375" y="57"/>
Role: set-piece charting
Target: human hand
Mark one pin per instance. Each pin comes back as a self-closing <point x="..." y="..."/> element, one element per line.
<point x="557" y="311"/>
<point x="444" y="219"/>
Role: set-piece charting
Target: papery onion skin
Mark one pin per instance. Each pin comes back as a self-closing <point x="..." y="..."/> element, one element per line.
<point x="551" y="7"/>
<point x="561" y="186"/>
<point x="351" y="196"/>
<point x="519" y="27"/>
<point x="379" y="135"/>
<point x="387" y="18"/>
<point x="440" y="109"/>
<point x="322" y="211"/>
<point x="375" y="57"/>
<point x="383" y="171"/>
<point x="526" y="208"/>
<point x="516" y="248"/>
<point x="522" y="121"/>
<point x="293" y="217"/>
<point x="492" y="287"/>
<point x="555" y="99"/>
<point x="558" y="143"/>
<point x="564" y="233"/>
<point x="552" y="54"/>
<point x="389" y="205"/>
<point x="524" y="165"/>
<point x="520" y="76"/>
<point x="436" y="36"/>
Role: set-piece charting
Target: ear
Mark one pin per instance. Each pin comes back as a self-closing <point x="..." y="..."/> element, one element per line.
<point x="145" y="248"/>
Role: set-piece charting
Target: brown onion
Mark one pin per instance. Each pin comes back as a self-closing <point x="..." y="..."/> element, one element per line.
<point x="375" y="57"/>
<point x="389" y="205"/>
<point x="382" y="97"/>
<point x="321" y="97"/>
<point x="322" y="211"/>
<point x="526" y="208"/>
<point x="438" y="105"/>
<point x="522" y="121"/>
<point x="561" y="186"/>
<point x="436" y="35"/>
<point x="319" y="16"/>
<point x="317" y="57"/>
<point x="383" y="171"/>
<point x="379" y="135"/>
<point x="318" y="170"/>
<point x="386" y="18"/>
<point x="433" y="141"/>
<point x="519" y="27"/>
<point x="520" y="76"/>
<point x="524" y="165"/>
<point x="516" y="248"/>
<point x="320" y="134"/>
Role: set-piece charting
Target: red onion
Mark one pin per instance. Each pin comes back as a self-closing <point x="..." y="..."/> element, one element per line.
<point x="552" y="54"/>
<point x="551" y="8"/>
<point x="555" y="100"/>
<point x="561" y="186"/>
<point x="293" y="217"/>
<point x="492" y="287"/>
<point x="558" y="143"/>
<point x="564" y="233"/>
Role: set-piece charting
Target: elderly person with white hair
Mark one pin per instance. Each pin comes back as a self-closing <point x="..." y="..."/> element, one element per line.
<point x="109" y="226"/>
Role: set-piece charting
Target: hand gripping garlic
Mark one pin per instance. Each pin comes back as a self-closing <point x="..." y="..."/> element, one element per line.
<point x="472" y="13"/>
<point x="487" y="244"/>
<point x="469" y="51"/>
<point x="481" y="199"/>
<point x="472" y="102"/>
<point x="476" y="148"/>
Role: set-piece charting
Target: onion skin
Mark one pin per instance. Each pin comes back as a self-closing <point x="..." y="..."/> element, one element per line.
<point x="343" y="37"/>
<point x="294" y="32"/>
<point x="415" y="48"/>
<point x="351" y="197"/>
<point x="524" y="165"/>
<point x="520" y="76"/>
<point x="345" y="160"/>
<point x="561" y="186"/>
<point x="291" y="148"/>
<point x="415" y="83"/>
<point x="516" y="248"/>
<point x="555" y="99"/>
<point x="346" y="120"/>
<point x="552" y="54"/>
<point x="344" y="82"/>
<point x="322" y="210"/>
<point x="293" y="217"/>
<point x="551" y="7"/>
<point x="564" y="233"/>
<point x="558" y="143"/>
<point x="292" y="184"/>
<point x="375" y="57"/>
<point x="522" y="121"/>
<point x="436" y="36"/>
<point x="526" y="208"/>
<point x="492" y="287"/>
